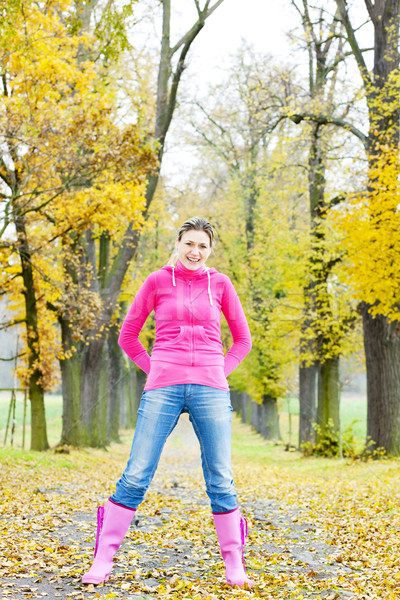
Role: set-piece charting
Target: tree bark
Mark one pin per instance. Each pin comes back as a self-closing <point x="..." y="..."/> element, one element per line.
<point x="124" y="397"/>
<point x="320" y="36"/>
<point x="115" y="384"/>
<point x="329" y="395"/>
<point x="246" y="408"/>
<point x="382" y="352"/>
<point x="308" y="375"/>
<point x="140" y="383"/>
<point x="70" y="378"/>
<point x="39" y="440"/>
<point x="132" y="401"/>
<point x="268" y="418"/>
<point x="381" y="338"/>
<point x="90" y="410"/>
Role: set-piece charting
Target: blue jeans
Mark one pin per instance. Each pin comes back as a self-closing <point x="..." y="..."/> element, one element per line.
<point x="210" y="414"/>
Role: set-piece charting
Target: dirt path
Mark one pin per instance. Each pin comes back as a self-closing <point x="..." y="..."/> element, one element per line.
<point x="166" y="543"/>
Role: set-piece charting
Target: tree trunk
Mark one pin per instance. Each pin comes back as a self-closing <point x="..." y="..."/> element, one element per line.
<point x="115" y="379"/>
<point x="329" y="395"/>
<point x="71" y="380"/>
<point x="124" y="396"/>
<point x="236" y="401"/>
<point x="382" y="352"/>
<point x="270" y="419"/>
<point x="323" y="62"/>
<point x="381" y="338"/>
<point x="140" y="383"/>
<point x="308" y="376"/>
<point x="133" y="399"/>
<point x="246" y="408"/>
<point x="90" y="406"/>
<point x="103" y="400"/>
<point x="39" y="439"/>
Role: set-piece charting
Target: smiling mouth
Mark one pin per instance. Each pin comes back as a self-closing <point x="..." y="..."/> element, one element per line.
<point x="194" y="260"/>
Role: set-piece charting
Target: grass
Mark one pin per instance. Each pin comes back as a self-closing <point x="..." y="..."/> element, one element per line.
<point x="353" y="414"/>
<point x="53" y="407"/>
<point x="249" y="447"/>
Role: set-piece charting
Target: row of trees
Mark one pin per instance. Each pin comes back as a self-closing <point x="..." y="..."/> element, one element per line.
<point x="310" y="243"/>
<point x="78" y="178"/>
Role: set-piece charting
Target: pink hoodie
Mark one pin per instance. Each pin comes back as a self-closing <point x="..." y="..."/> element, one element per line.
<point x="187" y="306"/>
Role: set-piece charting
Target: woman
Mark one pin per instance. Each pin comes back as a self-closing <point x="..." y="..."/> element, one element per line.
<point x="186" y="372"/>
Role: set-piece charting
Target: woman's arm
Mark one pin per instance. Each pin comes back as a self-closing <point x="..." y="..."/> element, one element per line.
<point x="234" y="314"/>
<point x="140" y="309"/>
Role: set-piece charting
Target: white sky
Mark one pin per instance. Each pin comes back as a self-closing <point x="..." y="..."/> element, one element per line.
<point x="262" y="23"/>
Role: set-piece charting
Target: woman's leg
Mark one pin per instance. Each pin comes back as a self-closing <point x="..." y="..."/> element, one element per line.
<point x="157" y="416"/>
<point x="210" y="411"/>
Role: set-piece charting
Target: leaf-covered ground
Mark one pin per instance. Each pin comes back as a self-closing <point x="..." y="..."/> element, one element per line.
<point x="319" y="528"/>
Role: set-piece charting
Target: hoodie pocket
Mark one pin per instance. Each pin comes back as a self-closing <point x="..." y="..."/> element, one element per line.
<point x="174" y="349"/>
<point x="205" y="350"/>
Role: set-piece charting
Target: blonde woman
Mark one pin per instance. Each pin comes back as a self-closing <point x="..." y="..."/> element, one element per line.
<point x="187" y="372"/>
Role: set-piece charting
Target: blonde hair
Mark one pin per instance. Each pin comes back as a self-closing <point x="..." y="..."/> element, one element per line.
<point x="198" y="224"/>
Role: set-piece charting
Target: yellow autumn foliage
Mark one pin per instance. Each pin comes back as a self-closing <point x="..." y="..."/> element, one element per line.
<point x="370" y="223"/>
<point x="68" y="164"/>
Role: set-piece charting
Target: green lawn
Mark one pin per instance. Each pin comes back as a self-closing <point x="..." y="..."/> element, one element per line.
<point x="53" y="403"/>
<point x="353" y="414"/>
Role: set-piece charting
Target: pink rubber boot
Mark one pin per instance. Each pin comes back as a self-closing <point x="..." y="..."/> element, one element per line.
<point x="113" y="522"/>
<point x="232" y="533"/>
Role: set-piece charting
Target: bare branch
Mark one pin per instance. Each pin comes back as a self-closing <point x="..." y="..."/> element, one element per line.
<point x="225" y="133"/>
<point x="324" y="120"/>
<point x="194" y="30"/>
<point x="351" y="38"/>
<point x="371" y="12"/>
<point x="197" y="7"/>
<point x="227" y="158"/>
<point x="13" y="357"/>
<point x="11" y="324"/>
<point x="331" y="35"/>
<point x="45" y="203"/>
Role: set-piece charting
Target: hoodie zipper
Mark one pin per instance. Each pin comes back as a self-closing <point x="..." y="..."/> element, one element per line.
<point x="191" y="324"/>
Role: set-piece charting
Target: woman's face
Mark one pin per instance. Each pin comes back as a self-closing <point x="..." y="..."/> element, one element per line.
<point x="193" y="249"/>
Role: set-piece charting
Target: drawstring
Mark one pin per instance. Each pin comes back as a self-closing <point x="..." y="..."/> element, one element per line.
<point x="209" y="288"/>
<point x="209" y="284"/>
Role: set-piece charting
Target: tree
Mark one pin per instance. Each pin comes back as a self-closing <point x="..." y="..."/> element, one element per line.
<point x="256" y="205"/>
<point x="58" y="139"/>
<point x="322" y="331"/>
<point x="81" y="371"/>
<point x="380" y="323"/>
